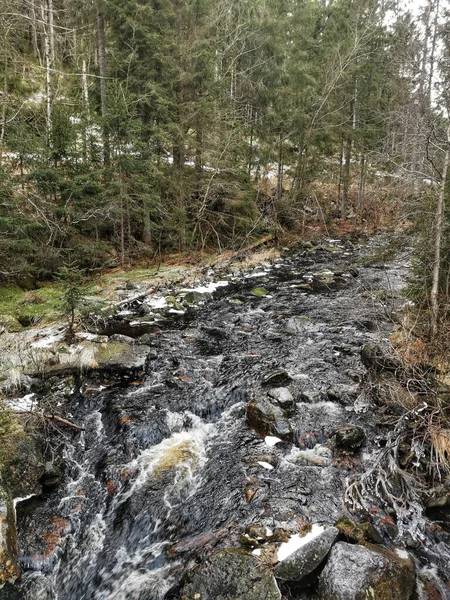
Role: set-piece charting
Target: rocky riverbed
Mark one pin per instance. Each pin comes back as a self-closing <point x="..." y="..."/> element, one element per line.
<point x="219" y="428"/>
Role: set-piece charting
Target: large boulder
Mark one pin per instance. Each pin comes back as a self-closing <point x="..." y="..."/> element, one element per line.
<point x="231" y="574"/>
<point x="307" y="557"/>
<point x="356" y="572"/>
<point x="267" y="418"/>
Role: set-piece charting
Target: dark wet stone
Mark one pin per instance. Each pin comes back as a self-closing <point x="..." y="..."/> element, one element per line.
<point x="267" y="418"/>
<point x="308" y="557"/>
<point x="51" y="477"/>
<point x="229" y="575"/>
<point x="356" y="572"/>
<point x="438" y="496"/>
<point x="349" y="437"/>
<point x="276" y="378"/>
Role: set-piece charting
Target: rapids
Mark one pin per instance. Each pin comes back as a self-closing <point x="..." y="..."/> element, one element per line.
<point x="168" y="468"/>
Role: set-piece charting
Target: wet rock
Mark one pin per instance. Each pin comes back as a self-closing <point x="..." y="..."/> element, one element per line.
<point x="438" y="496"/>
<point x="307" y="558"/>
<point x="51" y="477"/>
<point x="344" y="394"/>
<point x="358" y="532"/>
<point x="228" y="575"/>
<point x="349" y="437"/>
<point x="258" y="532"/>
<point x="356" y="572"/>
<point x="259" y="291"/>
<point x="149" y="338"/>
<point x="122" y="356"/>
<point x="319" y="456"/>
<point x="196" y="297"/>
<point x="248" y="541"/>
<point x="283" y="397"/>
<point x="23" y="466"/>
<point x="276" y="378"/>
<point x="267" y="418"/>
<point x="375" y="358"/>
<point x="9" y="569"/>
<point x="124" y="339"/>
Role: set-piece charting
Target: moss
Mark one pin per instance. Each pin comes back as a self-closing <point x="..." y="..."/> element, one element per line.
<point x="259" y="291"/>
<point x="174" y="455"/>
<point x="104" y="352"/>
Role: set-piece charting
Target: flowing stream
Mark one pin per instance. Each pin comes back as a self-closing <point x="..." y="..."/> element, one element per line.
<point x="168" y="468"/>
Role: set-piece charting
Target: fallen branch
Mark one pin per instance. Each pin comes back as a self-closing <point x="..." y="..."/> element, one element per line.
<point x="64" y="422"/>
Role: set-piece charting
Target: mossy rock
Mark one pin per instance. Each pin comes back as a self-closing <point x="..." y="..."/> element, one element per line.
<point x="10" y="323"/>
<point x="259" y="291"/>
<point x="231" y="574"/>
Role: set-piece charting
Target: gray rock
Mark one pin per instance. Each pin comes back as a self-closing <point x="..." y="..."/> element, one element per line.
<point x="283" y="397"/>
<point x="230" y="575"/>
<point x="126" y="357"/>
<point x="267" y="418"/>
<point x="277" y="378"/>
<point x="124" y="339"/>
<point x="303" y="561"/>
<point x="196" y="297"/>
<point x="319" y="456"/>
<point x="356" y="572"/>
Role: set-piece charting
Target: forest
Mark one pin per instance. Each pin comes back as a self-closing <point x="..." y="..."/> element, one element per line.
<point x="224" y="299"/>
<point x="133" y="128"/>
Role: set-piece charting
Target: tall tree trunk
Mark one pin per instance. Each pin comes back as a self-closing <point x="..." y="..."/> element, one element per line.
<point x="51" y="31"/>
<point x="346" y="178"/>
<point x="432" y="53"/>
<point x="438" y="233"/>
<point x="86" y="115"/>
<point x="362" y="165"/>
<point x="4" y="105"/>
<point x="48" y="73"/>
<point x="101" y="42"/>
<point x="280" y="168"/>
<point x="198" y="156"/>
<point x="340" y="174"/>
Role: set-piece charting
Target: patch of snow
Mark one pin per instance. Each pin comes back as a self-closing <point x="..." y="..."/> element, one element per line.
<point x="158" y="302"/>
<point x="265" y="465"/>
<point x="24" y="404"/>
<point x="295" y="542"/>
<point x="271" y="440"/>
<point x="208" y="288"/>
<point x="256" y="274"/>
<point x="173" y="311"/>
<point x="48" y="341"/>
<point x="257" y="552"/>
<point x="402" y="554"/>
<point x="269" y="532"/>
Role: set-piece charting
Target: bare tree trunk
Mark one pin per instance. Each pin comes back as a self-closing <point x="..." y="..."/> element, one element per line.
<point x="362" y="165"/>
<point x="280" y="168"/>
<point x="433" y="52"/>
<point x="438" y="232"/>
<point x="86" y="115"/>
<point x="101" y="42"/>
<point x="51" y="31"/>
<point x="340" y="174"/>
<point x="346" y="178"/>
<point x="48" y="76"/>
<point x="3" y="116"/>
<point x="34" y="35"/>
